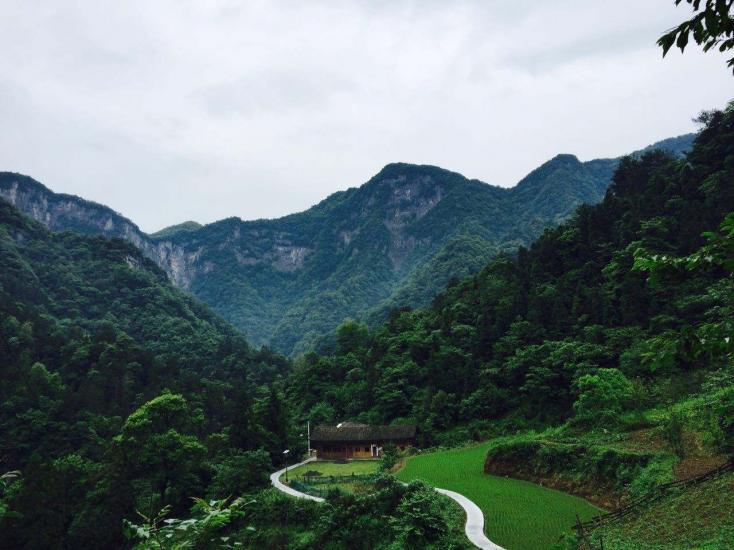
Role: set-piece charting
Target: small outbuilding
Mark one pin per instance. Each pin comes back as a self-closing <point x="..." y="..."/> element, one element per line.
<point x="351" y="440"/>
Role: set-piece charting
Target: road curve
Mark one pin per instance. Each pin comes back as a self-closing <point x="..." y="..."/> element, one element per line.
<point x="275" y="480"/>
<point x="474" y="526"/>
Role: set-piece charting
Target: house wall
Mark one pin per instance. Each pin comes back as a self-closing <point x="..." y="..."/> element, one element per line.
<point x="341" y="451"/>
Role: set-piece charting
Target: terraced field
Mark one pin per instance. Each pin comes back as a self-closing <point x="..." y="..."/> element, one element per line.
<point x="518" y="515"/>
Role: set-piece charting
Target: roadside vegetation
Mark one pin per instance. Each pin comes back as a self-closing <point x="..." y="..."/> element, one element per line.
<point x="517" y="514"/>
<point x="598" y="361"/>
<point x="319" y="478"/>
<point x="391" y="516"/>
<point x="700" y="517"/>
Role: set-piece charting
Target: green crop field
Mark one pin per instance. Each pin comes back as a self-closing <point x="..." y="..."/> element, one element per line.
<point x="518" y="515"/>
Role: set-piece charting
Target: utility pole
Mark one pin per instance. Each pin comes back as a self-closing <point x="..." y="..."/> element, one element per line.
<point x="285" y="453"/>
<point x="308" y="432"/>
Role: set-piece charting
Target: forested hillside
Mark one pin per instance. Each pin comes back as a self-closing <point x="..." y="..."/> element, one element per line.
<point x="119" y="392"/>
<point x="395" y="241"/>
<point x="569" y="328"/>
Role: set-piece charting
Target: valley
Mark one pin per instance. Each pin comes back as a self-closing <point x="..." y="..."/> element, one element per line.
<point x="394" y="242"/>
<point x="423" y="361"/>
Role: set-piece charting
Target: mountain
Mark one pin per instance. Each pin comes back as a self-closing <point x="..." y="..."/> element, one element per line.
<point x="395" y="241"/>
<point x="91" y="333"/>
<point x="598" y="320"/>
<point x="167" y="232"/>
<point x="598" y="361"/>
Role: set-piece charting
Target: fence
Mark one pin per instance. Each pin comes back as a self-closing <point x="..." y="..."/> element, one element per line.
<point x="657" y="493"/>
<point x="307" y="484"/>
<point x="336" y="480"/>
<point x="308" y="489"/>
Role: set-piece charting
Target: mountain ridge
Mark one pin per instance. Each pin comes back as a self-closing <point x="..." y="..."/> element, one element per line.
<point x="394" y="241"/>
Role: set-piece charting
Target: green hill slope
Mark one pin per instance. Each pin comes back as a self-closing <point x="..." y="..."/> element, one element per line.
<point x="694" y="518"/>
<point x="514" y="342"/>
<point x="90" y="332"/>
<point x="395" y="241"/>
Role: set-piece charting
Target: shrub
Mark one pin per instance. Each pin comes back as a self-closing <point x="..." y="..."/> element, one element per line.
<point x="389" y="458"/>
<point x="419" y="518"/>
<point x="602" y="397"/>
<point x="240" y="472"/>
<point x="673" y="433"/>
<point x="722" y="422"/>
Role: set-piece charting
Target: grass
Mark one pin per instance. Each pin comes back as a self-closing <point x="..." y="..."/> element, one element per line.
<point x="518" y="514"/>
<point x="356" y="467"/>
<point x="699" y="517"/>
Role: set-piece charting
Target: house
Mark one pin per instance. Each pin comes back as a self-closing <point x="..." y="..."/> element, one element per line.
<point x="352" y="440"/>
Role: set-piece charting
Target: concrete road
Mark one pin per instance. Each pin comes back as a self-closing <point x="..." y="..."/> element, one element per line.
<point x="275" y="480"/>
<point x="474" y="526"/>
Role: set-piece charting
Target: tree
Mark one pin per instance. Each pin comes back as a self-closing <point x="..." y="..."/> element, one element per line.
<point x="5" y="480"/>
<point x="723" y="421"/>
<point x="602" y="397"/>
<point x="389" y="458"/>
<point x="710" y="27"/>
<point x="156" y="448"/>
<point x="419" y="518"/>
<point x="240" y="472"/>
<point x="199" y="531"/>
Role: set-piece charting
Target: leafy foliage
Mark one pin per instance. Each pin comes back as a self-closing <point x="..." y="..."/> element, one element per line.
<point x="712" y="26"/>
<point x="199" y="531"/>
<point x="602" y="397"/>
<point x="395" y="242"/>
<point x="572" y="319"/>
<point x="119" y="392"/>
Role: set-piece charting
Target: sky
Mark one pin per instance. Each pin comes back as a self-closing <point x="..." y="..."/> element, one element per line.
<point x="178" y="110"/>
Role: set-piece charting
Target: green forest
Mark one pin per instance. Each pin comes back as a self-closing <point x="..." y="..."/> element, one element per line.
<point x="604" y="300"/>
<point x="119" y="392"/>
<point x="565" y="349"/>
<point x="124" y="398"/>
<point x="395" y="241"/>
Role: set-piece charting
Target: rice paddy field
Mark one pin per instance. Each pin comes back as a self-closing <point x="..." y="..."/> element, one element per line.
<point x="518" y="515"/>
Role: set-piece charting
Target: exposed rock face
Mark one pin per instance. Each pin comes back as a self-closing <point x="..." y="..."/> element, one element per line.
<point x="60" y="212"/>
<point x="409" y="201"/>
<point x="395" y="241"/>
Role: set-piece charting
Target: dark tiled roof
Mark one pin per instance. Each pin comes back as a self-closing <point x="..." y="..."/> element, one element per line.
<point x="349" y="431"/>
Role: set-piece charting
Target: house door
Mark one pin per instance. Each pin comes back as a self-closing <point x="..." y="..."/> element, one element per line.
<point x="375" y="451"/>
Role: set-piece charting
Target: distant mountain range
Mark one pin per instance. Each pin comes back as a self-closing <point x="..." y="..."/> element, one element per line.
<point x="395" y="241"/>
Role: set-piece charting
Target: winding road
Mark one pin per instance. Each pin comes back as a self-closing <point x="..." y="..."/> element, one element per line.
<point x="275" y="480"/>
<point x="474" y="526"/>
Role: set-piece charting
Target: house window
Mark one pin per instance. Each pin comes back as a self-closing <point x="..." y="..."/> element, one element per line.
<point x="366" y="449"/>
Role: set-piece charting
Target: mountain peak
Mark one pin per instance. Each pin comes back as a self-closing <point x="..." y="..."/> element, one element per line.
<point x="562" y="158"/>
<point x="178" y="228"/>
<point x="395" y="170"/>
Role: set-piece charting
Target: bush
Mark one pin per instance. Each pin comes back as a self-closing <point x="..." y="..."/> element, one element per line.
<point x="419" y="518"/>
<point x="602" y="397"/>
<point x="673" y="433"/>
<point x="722" y="422"/>
<point x="389" y="458"/>
<point x="240" y="472"/>
<point x="651" y="476"/>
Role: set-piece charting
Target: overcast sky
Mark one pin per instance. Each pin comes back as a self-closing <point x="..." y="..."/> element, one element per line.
<point x="175" y="110"/>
